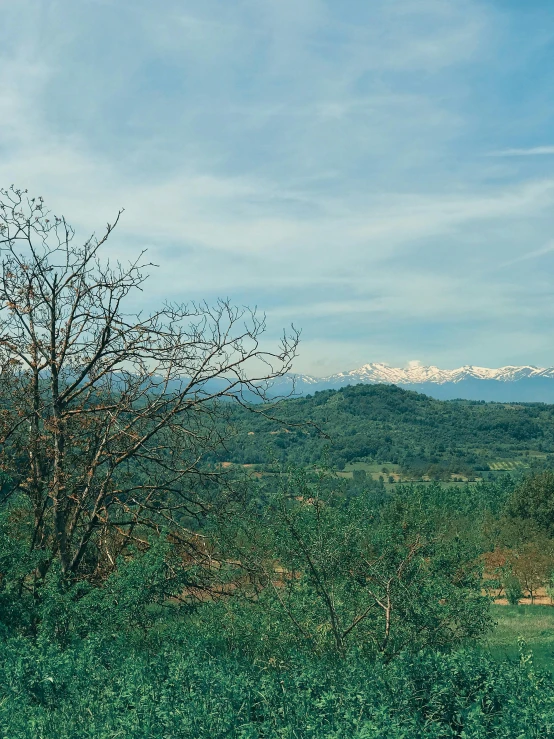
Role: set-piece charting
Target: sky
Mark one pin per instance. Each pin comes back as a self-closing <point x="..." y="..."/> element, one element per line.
<point x="379" y="173"/>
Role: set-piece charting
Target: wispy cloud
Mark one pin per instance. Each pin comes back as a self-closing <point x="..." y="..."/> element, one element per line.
<point x="534" y="254"/>
<point x="321" y="160"/>
<point x="534" y="151"/>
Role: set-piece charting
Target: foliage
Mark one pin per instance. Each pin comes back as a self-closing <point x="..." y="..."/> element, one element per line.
<point x="55" y="610"/>
<point x="185" y="686"/>
<point x="121" y="655"/>
<point x="531" y="564"/>
<point x="514" y="591"/>
<point x="331" y="573"/>
<point x="118" y="660"/>
<point x="385" y="424"/>
<point x="533" y="502"/>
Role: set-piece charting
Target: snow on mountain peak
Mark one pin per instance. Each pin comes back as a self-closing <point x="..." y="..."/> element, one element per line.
<point x="416" y="373"/>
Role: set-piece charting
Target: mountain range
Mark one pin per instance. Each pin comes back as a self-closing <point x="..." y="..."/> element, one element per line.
<point x="504" y="384"/>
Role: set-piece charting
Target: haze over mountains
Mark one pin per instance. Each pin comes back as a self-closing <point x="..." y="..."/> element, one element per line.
<point x="503" y="384"/>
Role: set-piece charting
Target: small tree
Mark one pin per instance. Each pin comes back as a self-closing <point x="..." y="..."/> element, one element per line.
<point x="533" y="502"/>
<point x="531" y="564"/>
<point x="331" y="575"/>
<point x="105" y="415"/>
<point x="514" y="591"/>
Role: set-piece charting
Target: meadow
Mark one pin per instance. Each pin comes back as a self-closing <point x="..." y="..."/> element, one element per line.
<point x="524" y="626"/>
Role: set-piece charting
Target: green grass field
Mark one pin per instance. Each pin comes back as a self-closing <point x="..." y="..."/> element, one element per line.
<point x="535" y="624"/>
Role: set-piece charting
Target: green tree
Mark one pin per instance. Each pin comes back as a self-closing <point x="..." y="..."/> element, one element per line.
<point x="513" y="589"/>
<point x="351" y="575"/>
<point x="533" y="502"/>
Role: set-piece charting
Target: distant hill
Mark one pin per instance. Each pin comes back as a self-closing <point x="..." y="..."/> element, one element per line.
<point x="505" y="384"/>
<point x="386" y="424"/>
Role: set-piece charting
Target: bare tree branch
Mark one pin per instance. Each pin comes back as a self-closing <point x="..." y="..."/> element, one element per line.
<point x="105" y="416"/>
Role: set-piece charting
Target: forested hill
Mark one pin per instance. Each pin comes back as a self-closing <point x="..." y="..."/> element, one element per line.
<point x="385" y="424"/>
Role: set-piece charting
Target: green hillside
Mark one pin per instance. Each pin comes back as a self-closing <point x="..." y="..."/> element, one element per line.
<point x="385" y="425"/>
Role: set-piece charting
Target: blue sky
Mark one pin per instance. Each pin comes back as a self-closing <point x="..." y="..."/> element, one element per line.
<point x="381" y="173"/>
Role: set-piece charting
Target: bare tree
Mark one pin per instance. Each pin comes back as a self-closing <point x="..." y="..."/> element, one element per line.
<point x="105" y="415"/>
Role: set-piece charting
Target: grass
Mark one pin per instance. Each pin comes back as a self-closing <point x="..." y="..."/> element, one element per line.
<point x="535" y="624"/>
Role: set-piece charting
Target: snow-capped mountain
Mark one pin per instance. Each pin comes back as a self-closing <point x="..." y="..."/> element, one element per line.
<point x="416" y="373"/>
<point x="505" y="384"/>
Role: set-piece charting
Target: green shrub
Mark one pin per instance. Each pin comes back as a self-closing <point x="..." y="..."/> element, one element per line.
<point x="183" y="686"/>
<point x="514" y="591"/>
<point x="326" y="576"/>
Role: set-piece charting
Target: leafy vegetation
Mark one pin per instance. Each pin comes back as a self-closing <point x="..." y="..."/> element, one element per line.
<point x="186" y="688"/>
<point x="352" y="573"/>
<point x="386" y="425"/>
<point x="105" y="662"/>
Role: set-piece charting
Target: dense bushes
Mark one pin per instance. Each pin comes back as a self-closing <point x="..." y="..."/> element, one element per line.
<point x="117" y="659"/>
<point x="183" y="686"/>
<point x="120" y="658"/>
<point x="331" y="574"/>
